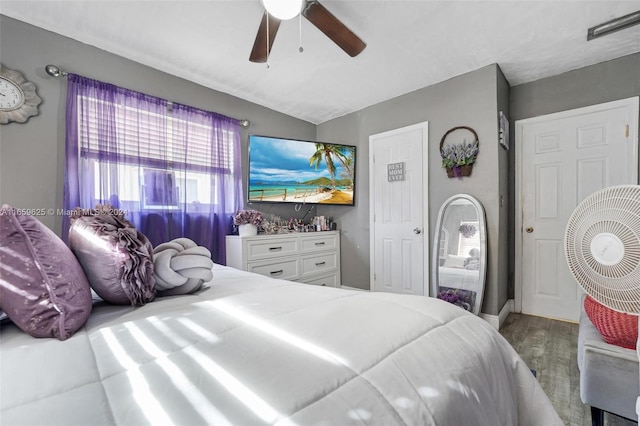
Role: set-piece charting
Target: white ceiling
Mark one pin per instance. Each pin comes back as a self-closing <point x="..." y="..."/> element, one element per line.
<point x="410" y="44"/>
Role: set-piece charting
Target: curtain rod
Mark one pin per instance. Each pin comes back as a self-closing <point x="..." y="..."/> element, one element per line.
<point x="54" y="71"/>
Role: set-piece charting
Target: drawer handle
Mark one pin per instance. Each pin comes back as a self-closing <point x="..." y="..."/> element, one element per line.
<point x="320" y="243"/>
<point x="320" y="263"/>
<point x="275" y="248"/>
<point x="276" y="272"/>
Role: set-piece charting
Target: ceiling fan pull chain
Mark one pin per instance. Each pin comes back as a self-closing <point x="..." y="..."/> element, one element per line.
<point x="300" y="49"/>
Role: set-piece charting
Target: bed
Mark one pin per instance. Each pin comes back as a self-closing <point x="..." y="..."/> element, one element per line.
<point x="458" y="278"/>
<point x="251" y="350"/>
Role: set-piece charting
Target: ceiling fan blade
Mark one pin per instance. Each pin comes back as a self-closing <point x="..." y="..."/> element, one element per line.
<point x="326" y="22"/>
<point x="259" y="51"/>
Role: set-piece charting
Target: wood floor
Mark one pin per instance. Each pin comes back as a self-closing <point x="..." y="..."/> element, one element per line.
<point x="550" y="348"/>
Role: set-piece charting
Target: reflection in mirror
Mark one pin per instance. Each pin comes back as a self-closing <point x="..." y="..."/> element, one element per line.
<point x="460" y="252"/>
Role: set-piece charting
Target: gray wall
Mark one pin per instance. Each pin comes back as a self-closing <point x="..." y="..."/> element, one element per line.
<point x="603" y="82"/>
<point x="466" y="100"/>
<point x="595" y="84"/>
<point x="32" y="153"/>
<point x="505" y="222"/>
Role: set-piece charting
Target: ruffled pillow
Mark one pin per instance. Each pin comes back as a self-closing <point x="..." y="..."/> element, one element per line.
<point x="115" y="256"/>
<point x="43" y="289"/>
<point x="181" y="267"/>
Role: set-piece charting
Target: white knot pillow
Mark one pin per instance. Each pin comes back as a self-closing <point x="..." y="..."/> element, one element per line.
<point x="181" y="266"/>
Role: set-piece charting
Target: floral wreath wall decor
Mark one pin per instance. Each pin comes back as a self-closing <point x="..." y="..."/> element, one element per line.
<point x="458" y="158"/>
<point x="467" y="230"/>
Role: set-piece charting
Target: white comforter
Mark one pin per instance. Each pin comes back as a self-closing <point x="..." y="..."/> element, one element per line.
<point x="459" y="278"/>
<point x="254" y="350"/>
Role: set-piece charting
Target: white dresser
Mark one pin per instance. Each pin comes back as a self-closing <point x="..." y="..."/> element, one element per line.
<point x="312" y="258"/>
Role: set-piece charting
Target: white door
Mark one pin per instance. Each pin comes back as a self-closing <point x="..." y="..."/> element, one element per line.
<point x="562" y="158"/>
<point x="398" y="210"/>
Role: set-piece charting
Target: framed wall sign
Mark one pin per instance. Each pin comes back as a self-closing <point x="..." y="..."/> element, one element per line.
<point x="395" y="172"/>
<point x="503" y="130"/>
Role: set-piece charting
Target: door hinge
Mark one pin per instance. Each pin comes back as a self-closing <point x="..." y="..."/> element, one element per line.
<point x="626" y="131"/>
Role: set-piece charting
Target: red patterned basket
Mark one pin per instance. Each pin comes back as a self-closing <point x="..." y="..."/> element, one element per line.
<point x="616" y="328"/>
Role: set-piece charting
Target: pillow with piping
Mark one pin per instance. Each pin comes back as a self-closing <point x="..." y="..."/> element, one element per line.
<point x="43" y="289"/>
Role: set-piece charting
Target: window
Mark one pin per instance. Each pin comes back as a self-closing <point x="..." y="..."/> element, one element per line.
<point x="174" y="169"/>
<point x="469" y="241"/>
<point x="154" y="160"/>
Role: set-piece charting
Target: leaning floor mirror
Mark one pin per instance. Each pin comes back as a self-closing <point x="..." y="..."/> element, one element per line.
<point x="460" y="253"/>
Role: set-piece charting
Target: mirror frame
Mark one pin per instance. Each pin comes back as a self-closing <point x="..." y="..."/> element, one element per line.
<point x="482" y="225"/>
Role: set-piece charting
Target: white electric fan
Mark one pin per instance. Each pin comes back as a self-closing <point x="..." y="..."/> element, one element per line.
<point x="602" y="247"/>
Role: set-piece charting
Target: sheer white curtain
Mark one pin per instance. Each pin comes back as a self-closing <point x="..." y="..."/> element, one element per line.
<point x="175" y="169"/>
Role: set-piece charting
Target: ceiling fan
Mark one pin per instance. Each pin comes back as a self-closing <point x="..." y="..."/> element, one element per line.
<point x="318" y="15"/>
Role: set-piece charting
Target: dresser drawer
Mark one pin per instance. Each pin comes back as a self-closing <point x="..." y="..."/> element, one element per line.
<point x="317" y="242"/>
<point x="311" y="257"/>
<point x="287" y="269"/>
<point x="326" y="280"/>
<point x="319" y="263"/>
<point x="263" y="249"/>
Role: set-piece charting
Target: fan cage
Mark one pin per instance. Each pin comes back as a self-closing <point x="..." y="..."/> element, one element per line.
<point x="614" y="210"/>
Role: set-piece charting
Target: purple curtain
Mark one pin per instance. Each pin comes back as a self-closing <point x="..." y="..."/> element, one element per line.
<point x="175" y="170"/>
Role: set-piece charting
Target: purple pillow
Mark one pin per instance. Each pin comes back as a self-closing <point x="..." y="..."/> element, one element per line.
<point x="116" y="258"/>
<point x="43" y="289"/>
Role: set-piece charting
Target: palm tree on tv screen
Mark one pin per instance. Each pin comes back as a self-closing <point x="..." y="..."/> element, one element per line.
<point x="348" y="163"/>
<point x="326" y="152"/>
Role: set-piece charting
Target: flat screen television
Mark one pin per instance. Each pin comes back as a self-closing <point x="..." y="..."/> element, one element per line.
<point x="299" y="171"/>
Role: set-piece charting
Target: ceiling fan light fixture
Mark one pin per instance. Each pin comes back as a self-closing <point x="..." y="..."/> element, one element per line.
<point x="614" y="25"/>
<point x="283" y="9"/>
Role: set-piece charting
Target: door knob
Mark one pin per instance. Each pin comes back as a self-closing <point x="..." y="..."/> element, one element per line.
<point x="417" y="230"/>
<point x="529" y="229"/>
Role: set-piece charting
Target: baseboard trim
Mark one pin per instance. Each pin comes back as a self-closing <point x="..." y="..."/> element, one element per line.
<point x="497" y="320"/>
<point x="346" y="287"/>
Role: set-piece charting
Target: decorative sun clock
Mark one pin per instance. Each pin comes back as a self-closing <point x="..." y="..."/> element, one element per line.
<point x="18" y="98"/>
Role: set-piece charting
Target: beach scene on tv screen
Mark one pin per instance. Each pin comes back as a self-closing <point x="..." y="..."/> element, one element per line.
<point x="283" y="170"/>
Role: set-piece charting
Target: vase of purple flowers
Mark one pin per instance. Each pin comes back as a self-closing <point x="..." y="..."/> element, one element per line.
<point x="462" y="298"/>
<point x="248" y="222"/>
